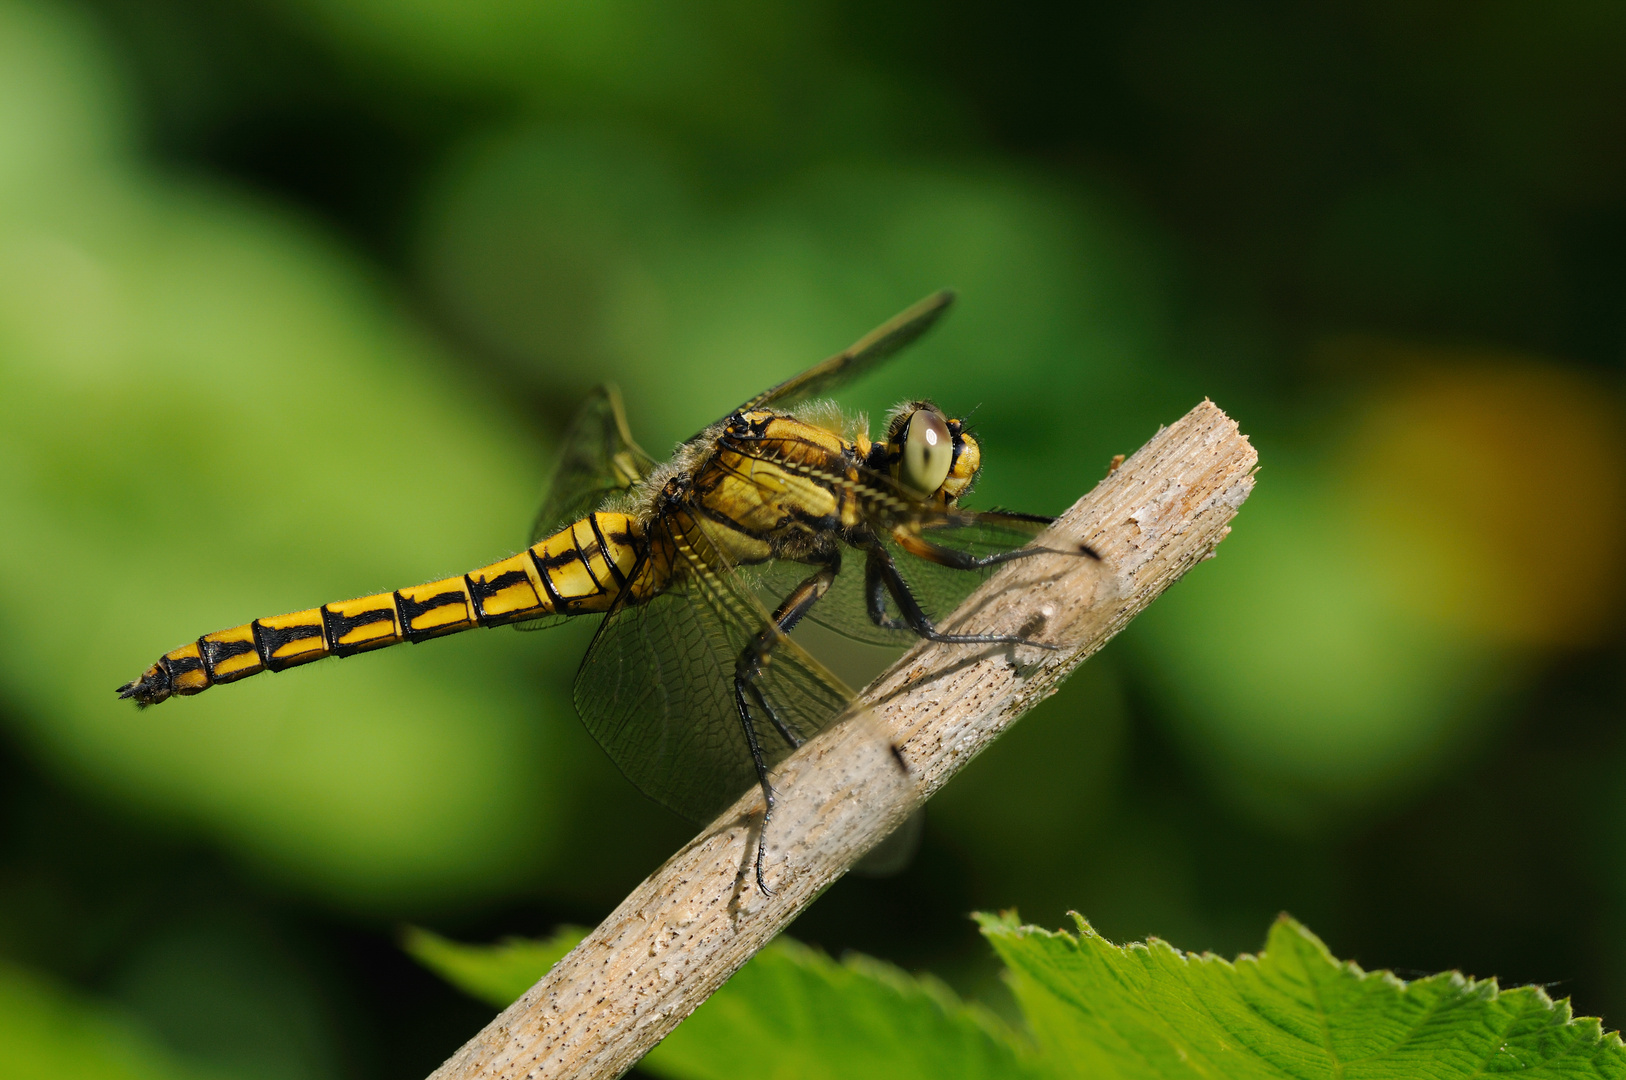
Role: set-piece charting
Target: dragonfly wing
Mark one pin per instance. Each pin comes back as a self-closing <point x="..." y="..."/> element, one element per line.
<point x="863" y="356"/>
<point x="941" y="587"/>
<point x="842" y="609"/>
<point x="938" y="588"/>
<point x="596" y="459"/>
<point x="657" y="690"/>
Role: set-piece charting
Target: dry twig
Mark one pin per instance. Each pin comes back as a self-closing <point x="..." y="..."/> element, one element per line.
<point x="696" y="919"/>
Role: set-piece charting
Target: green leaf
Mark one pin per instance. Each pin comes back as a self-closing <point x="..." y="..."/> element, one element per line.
<point x="1137" y="1012"/>
<point x="496" y="974"/>
<point x="794" y="1013"/>
<point x="790" y="1013"/>
<point x="1150" y="1012"/>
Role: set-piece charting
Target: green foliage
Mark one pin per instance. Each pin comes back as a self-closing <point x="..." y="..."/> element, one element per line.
<point x="1325" y="692"/>
<point x="1149" y="1012"/>
<point x="791" y="1008"/>
<point x="797" y="1013"/>
<point x="294" y="296"/>
<point x="47" y="1033"/>
<point x="147" y="331"/>
<point x="496" y="973"/>
<point x="1139" y="1012"/>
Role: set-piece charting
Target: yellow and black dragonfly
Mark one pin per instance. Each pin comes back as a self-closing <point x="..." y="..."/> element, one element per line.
<point x="692" y="684"/>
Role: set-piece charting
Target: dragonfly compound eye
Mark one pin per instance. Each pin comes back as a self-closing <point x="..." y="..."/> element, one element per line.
<point x="928" y="451"/>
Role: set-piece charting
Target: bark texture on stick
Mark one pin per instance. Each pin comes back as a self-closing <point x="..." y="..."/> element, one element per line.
<point x="694" y="921"/>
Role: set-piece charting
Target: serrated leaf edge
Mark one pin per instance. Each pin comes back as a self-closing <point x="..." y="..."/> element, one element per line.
<point x="1558" y="1013"/>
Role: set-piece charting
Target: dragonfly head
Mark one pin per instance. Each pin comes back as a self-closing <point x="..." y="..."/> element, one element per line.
<point x="967" y="463"/>
<point x="929" y="454"/>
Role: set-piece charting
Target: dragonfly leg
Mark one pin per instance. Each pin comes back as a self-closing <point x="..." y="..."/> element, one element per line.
<point x="786" y="732"/>
<point x="747" y="690"/>
<point x="880" y="572"/>
<point x="876" y="591"/>
<point x="762" y="778"/>
<point x="804" y="596"/>
<point x="785" y="617"/>
<point x="920" y="547"/>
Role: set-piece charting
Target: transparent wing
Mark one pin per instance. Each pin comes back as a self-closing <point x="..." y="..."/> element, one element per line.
<point x="938" y="588"/>
<point x="596" y="459"/>
<point x="863" y="356"/>
<point x="842" y="609"/>
<point x="941" y="588"/>
<point x="657" y="691"/>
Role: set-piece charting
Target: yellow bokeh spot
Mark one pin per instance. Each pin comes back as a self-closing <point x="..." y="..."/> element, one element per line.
<point x="1496" y="487"/>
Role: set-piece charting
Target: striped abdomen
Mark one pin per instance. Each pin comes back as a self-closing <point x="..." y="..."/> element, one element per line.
<point x="577" y="570"/>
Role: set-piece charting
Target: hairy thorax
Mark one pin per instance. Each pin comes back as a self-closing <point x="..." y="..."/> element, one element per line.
<point x="775" y="486"/>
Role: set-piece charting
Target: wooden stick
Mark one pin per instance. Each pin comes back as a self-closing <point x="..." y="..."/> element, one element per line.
<point x="694" y="921"/>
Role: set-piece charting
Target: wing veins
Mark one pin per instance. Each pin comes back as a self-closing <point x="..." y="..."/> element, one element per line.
<point x="862" y="356"/>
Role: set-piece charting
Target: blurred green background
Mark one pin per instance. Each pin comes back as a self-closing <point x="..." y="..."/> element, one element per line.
<point x="295" y="296"/>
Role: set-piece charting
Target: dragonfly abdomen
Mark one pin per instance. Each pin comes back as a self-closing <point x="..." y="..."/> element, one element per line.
<point x="580" y="569"/>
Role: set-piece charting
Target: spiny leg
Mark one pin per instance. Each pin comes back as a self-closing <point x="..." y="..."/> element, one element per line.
<point x="762" y="779"/>
<point x="919" y="546"/>
<point x="876" y="591"/>
<point x="881" y="578"/>
<point x="785" y="617"/>
<point x="749" y="669"/>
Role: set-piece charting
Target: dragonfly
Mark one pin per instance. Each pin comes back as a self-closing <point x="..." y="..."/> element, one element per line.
<point x="701" y="567"/>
